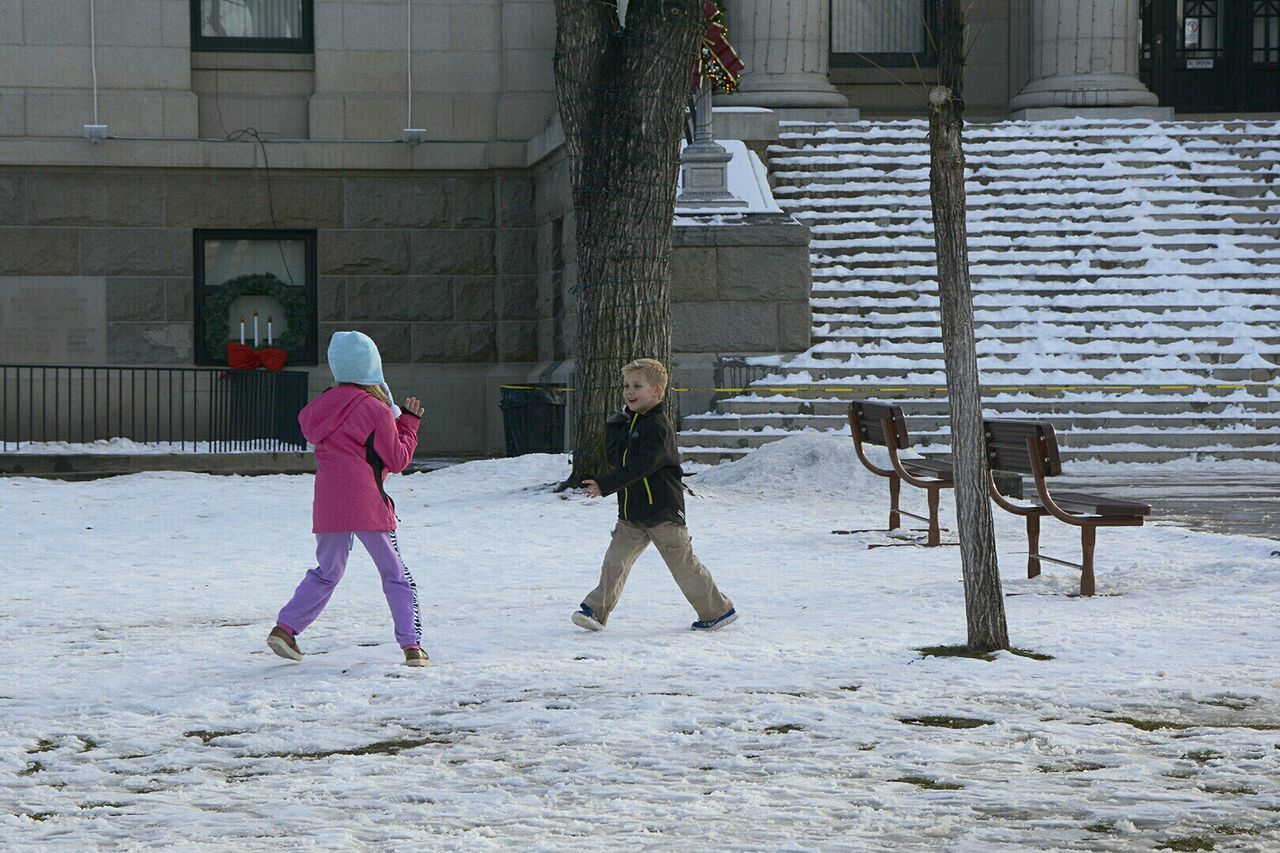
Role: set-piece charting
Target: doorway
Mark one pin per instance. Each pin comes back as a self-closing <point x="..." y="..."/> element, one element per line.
<point x="1212" y="55"/>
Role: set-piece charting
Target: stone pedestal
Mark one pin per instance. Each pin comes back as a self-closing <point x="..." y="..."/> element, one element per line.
<point x="786" y="47"/>
<point x="1084" y="54"/>
<point x="704" y="165"/>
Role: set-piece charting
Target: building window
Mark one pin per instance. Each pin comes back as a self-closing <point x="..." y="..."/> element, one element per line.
<point x="255" y="25"/>
<point x="885" y="33"/>
<point x="1202" y="32"/>
<point x="278" y="261"/>
<point x="1265" y="22"/>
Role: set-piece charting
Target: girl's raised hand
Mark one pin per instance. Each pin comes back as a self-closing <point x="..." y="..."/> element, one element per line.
<point x="413" y="406"/>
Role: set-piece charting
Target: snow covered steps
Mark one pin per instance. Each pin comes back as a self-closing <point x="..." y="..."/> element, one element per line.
<point x="1126" y="279"/>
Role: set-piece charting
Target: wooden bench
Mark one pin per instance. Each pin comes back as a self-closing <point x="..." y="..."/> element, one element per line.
<point x="1031" y="447"/>
<point x="884" y="425"/>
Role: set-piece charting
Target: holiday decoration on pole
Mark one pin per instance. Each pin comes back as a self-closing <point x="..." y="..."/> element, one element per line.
<point x="718" y="62"/>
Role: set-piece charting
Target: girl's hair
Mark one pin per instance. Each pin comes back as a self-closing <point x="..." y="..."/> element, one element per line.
<point x="654" y="371"/>
<point x="375" y="390"/>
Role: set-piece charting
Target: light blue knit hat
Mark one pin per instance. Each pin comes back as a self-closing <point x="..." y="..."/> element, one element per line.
<point x="354" y="357"/>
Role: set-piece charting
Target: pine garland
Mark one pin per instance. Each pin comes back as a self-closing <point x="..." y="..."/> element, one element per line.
<point x="292" y="298"/>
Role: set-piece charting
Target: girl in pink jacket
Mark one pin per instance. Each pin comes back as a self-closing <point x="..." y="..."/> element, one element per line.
<point x="360" y="436"/>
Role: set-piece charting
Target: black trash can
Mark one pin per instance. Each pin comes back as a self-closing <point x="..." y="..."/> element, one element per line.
<point x="533" y="418"/>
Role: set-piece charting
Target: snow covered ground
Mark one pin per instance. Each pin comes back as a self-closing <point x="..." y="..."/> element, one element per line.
<point x="140" y="707"/>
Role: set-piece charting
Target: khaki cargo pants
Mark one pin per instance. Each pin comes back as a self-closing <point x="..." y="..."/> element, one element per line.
<point x="673" y="543"/>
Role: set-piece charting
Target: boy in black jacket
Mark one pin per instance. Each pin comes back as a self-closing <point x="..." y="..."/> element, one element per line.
<point x="646" y="478"/>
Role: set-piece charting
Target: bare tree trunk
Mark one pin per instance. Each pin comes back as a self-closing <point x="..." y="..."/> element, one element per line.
<point x="622" y="93"/>
<point x="984" y="599"/>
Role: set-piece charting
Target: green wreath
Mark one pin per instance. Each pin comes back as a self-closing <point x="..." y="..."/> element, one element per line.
<point x="292" y="299"/>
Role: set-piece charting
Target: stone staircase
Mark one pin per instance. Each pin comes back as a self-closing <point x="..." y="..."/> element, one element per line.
<point x="1126" y="281"/>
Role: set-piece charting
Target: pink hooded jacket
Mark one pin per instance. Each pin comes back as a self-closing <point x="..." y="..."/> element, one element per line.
<point x="358" y="442"/>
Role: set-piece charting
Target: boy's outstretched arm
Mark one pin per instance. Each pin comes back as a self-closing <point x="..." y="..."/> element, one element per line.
<point x="646" y="459"/>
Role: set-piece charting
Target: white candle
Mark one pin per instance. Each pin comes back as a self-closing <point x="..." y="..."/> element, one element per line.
<point x="241" y="330"/>
<point x="268" y="330"/>
<point x="255" y="328"/>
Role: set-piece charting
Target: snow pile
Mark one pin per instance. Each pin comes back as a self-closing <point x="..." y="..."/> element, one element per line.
<point x="815" y="462"/>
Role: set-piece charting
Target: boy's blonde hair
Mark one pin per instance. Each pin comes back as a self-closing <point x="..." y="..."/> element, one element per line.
<point x="654" y="371"/>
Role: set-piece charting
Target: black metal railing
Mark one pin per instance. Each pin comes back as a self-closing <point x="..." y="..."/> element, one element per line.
<point x="211" y="410"/>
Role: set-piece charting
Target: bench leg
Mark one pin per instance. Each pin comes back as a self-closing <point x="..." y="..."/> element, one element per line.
<point x="895" y="492"/>
<point x="1087" y="537"/>
<point x="1033" y="546"/>
<point x="935" y="534"/>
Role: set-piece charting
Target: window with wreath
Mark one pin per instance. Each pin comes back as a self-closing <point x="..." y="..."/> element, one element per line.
<point x="258" y="289"/>
<point x="255" y="25"/>
<point x="884" y="33"/>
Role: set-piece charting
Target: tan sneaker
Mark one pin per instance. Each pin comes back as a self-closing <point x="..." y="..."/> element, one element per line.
<point x="416" y="657"/>
<point x="282" y="644"/>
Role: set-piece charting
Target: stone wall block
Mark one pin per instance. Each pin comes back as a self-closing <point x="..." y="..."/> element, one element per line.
<point x="516" y="206"/>
<point x="519" y="251"/>
<point x="454" y="342"/>
<point x="179" y="299"/>
<point x="693" y="274"/>
<point x="396" y="202"/>
<point x="399" y="298"/>
<point x="150" y="343"/>
<point x="13" y="200"/>
<point x="471" y="202"/>
<point x="214" y="201"/>
<point x="331" y="298"/>
<point x="445" y="252"/>
<point x="547" y="340"/>
<point x="13" y="113"/>
<point x="724" y="327"/>
<point x="795" y="326"/>
<point x="763" y="273"/>
<point x="39" y="251"/>
<point x="83" y="198"/>
<point x="518" y="341"/>
<point x="518" y="297"/>
<point x="140" y="298"/>
<point x="135" y="251"/>
<point x="473" y="298"/>
<point x="363" y="252"/>
<point x="784" y="232"/>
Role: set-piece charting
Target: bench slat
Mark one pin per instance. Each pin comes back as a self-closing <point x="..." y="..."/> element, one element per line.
<point x="933" y="467"/>
<point x="870" y="417"/>
<point x="1097" y="504"/>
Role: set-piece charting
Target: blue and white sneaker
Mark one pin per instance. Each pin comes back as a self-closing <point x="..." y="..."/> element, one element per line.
<point x="716" y="624"/>
<point x="584" y="618"/>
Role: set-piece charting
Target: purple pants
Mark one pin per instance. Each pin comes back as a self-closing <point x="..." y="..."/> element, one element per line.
<point x="332" y="551"/>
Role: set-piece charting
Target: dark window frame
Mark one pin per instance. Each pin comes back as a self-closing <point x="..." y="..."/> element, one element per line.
<point x="307" y="353"/>
<point x="303" y="44"/>
<point x="927" y="58"/>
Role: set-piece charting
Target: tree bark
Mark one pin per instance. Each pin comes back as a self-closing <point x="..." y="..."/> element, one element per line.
<point x="622" y="93"/>
<point x="984" y="599"/>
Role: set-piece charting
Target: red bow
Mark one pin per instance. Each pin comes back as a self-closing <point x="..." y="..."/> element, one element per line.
<point x="241" y="357"/>
<point x="716" y="57"/>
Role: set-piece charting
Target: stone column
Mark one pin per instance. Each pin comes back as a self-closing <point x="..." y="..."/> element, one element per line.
<point x="1084" y="55"/>
<point x="786" y="46"/>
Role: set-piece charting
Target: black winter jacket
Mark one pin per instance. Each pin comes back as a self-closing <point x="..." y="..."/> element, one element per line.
<point x="646" y="473"/>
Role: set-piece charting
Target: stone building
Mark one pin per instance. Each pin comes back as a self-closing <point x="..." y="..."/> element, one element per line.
<point x="400" y="163"/>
